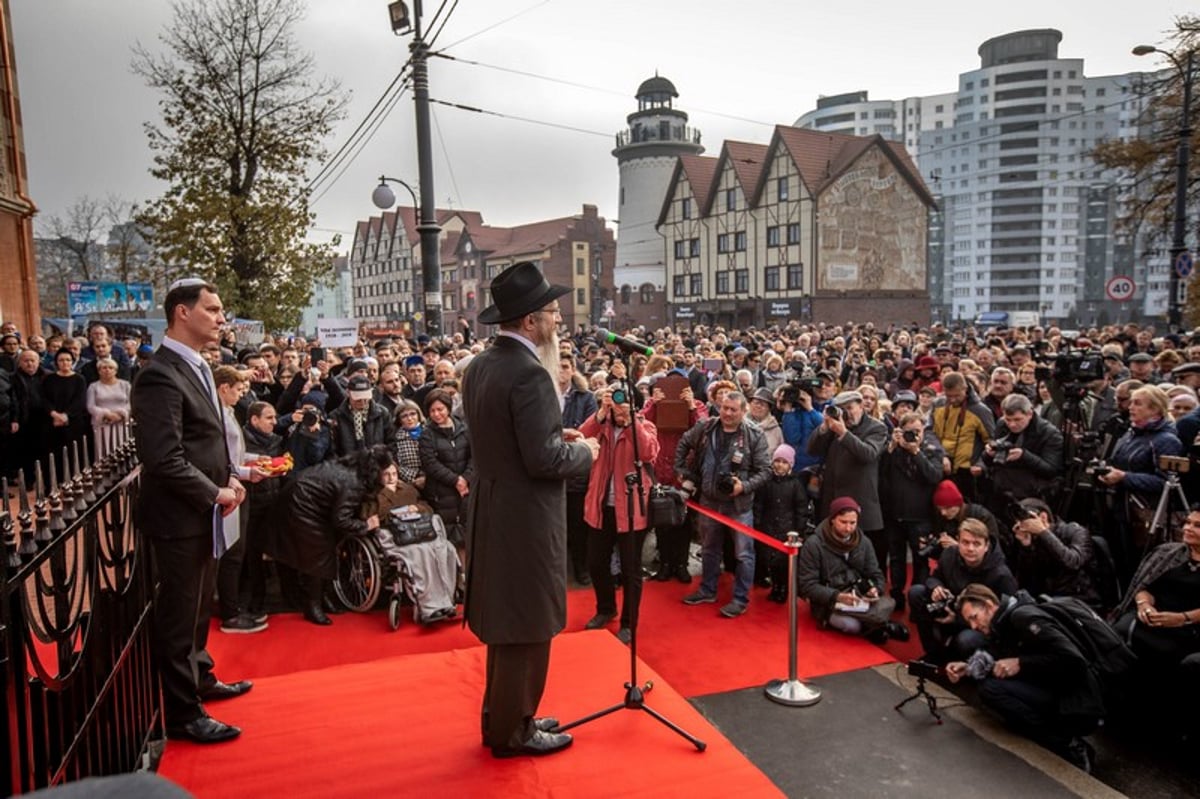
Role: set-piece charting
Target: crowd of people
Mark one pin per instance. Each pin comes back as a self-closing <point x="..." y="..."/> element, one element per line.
<point x="939" y="475"/>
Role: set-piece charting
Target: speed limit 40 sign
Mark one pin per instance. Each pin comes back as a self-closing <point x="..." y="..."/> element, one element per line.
<point x="1120" y="288"/>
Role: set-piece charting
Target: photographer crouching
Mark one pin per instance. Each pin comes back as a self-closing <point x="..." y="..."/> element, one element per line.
<point x="611" y="507"/>
<point x="1031" y="673"/>
<point x="976" y="559"/>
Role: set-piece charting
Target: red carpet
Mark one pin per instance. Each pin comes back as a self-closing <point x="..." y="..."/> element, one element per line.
<point x="410" y="724"/>
<point x="695" y="648"/>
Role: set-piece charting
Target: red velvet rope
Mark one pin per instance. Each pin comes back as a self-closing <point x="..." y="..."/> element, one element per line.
<point x="741" y="528"/>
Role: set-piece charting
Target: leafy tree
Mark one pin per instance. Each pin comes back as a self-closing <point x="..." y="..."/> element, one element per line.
<point x="1149" y="162"/>
<point x="242" y="116"/>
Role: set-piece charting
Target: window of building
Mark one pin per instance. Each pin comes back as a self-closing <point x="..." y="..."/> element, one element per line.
<point x="695" y="284"/>
<point x="694" y="248"/>
<point x="685" y="208"/>
<point x="626" y="293"/>
<point x="580" y="266"/>
<point x="581" y="296"/>
<point x="741" y="281"/>
<point x="739" y="241"/>
<point x="771" y="278"/>
<point x="679" y="285"/>
<point x="723" y="242"/>
<point x="795" y="276"/>
<point x="722" y="282"/>
<point x="781" y="189"/>
<point x="773" y="236"/>
<point x="731" y="199"/>
<point x="793" y="233"/>
<point x="679" y="249"/>
<point x="647" y="293"/>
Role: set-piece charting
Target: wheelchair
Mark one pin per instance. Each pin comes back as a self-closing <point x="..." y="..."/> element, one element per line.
<point x="370" y="564"/>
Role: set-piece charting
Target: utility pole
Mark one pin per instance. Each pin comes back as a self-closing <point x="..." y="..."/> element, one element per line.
<point x="427" y="224"/>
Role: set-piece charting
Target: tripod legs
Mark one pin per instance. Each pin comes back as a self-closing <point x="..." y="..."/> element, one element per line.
<point x="930" y="700"/>
<point x="635" y="700"/>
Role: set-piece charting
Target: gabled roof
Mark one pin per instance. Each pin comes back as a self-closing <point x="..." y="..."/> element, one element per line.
<point x="408" y="215"/>
<point x="699" y="171"/>
<point x="523" y="239"/>
<point x="821" y="157"/>
<point x="747" y="160"/>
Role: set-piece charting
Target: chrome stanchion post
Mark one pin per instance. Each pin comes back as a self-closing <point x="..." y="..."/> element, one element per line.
<point x="791" y="691"/>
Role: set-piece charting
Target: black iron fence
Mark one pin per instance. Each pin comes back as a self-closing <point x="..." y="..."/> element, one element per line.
<point x="81" y="693"/>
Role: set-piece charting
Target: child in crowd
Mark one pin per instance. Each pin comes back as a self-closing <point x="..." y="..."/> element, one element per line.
<point x="780" y="506"/>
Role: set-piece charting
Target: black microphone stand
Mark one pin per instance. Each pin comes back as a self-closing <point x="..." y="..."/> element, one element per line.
<point x="635" y="693"/>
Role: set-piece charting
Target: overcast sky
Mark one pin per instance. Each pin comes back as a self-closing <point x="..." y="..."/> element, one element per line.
<point x="740" y="67"/>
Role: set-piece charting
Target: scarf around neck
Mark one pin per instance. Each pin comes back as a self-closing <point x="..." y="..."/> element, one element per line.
<point x="839" y="545"/>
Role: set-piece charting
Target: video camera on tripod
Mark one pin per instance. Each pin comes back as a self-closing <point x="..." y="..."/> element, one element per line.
<point x="807" y="382"/>
<point x="1070" y="373"/>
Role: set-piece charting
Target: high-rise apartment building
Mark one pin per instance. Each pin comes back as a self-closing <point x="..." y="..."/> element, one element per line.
<point x="1028" y="221"/>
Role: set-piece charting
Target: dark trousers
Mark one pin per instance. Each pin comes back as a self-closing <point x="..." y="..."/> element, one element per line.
<point x="186" y="576"/>
<point x="879" y="543"/>
<point x="254" y="568"/>
<point x="229" y="571"/>
<point x="1032" y="710"/>
<point x="629" y="549"/>
<point x="673" y="542"/>
<point x="577" y="534"/>
<point x="965" y="481"/>
<point x="516" y="678"/>
<point x="904" y="537"/>
<point x="942" y="642"/>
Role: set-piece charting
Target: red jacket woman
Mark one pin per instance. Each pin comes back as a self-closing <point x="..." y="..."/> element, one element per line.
<point x="614" y="462"/>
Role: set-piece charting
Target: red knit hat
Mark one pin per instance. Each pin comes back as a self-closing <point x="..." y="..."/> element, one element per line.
<point x="947" y="495"/>
<point x="842" y="505"/>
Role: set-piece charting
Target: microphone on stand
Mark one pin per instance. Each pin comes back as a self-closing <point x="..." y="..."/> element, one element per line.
<point x="624" y="344"/>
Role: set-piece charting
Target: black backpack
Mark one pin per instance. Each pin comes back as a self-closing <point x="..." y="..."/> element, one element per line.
<point x="1096" y="639"/>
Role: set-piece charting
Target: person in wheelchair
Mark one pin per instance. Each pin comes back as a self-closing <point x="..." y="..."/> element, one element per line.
<point x="422" y="564"/>
<point x="324" y="506"/>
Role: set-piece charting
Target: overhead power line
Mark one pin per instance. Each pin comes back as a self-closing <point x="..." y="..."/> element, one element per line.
<point x="530" y="120"/>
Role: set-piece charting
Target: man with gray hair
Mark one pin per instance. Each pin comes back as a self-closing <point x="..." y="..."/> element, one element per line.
<point x="1024" y="459"/>
<point x="725" y="460"/>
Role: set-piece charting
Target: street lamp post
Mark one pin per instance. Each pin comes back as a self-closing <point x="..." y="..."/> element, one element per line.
<point x="1178" y="243"/>
<point x="427" y="226"/>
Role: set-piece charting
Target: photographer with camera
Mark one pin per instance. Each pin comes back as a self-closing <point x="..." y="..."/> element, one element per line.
<point x="910" y="469"/>
<point x="1025" y="458"/>
<point x="801" y="403"/>
<point x="609" y="506"/>
<point x="963" y="425"/>
<point x="725" y="460"/>
<point x="838" y="574"/>
<point x="976" y="559"/>
<point x="850" y="444"/>
<point x="1032" y="673"/>
<point x="1053" y="556"/>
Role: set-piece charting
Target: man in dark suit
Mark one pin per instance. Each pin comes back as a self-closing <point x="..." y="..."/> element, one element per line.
<point x="186" y="473"/>
<point x="516" y="599"/>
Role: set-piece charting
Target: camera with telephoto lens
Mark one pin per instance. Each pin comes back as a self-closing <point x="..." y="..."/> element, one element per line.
<point x="309" y="418"/>
<point x="911" y="436"/>
<point x="1020" y="513"/>
<point x="1000" y="448"/>
<point x="833" y="412"/>
<point x="724" y="483"/>
<point x="931" y="547"/>
<point x="940" y="607"/>
<point x="1070" y="373"/>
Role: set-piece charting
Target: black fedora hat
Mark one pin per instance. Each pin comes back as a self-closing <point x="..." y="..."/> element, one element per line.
<point x="518" y="290"/>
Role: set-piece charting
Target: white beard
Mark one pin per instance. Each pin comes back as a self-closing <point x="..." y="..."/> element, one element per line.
<point x="548" y="356"/>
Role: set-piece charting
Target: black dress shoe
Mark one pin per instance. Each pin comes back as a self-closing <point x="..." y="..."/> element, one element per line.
<point x="598" y="621"/>
<point x="539" y="743"/>
<point x="204" y="730"/>
<point x="682" y="574"/>
<point x="896" y="630"/>
<point x="219" y="690"/>
<point x="332" y="606"/>
<point x="545" y="723"/>
<point x="625" y="635"/>
<point x="314" y="613"/>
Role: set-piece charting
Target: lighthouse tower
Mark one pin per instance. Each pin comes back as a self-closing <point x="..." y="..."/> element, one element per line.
<point x="646" y="150"/>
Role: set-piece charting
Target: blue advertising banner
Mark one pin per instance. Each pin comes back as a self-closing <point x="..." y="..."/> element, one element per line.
<point x="92" y="296"/>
